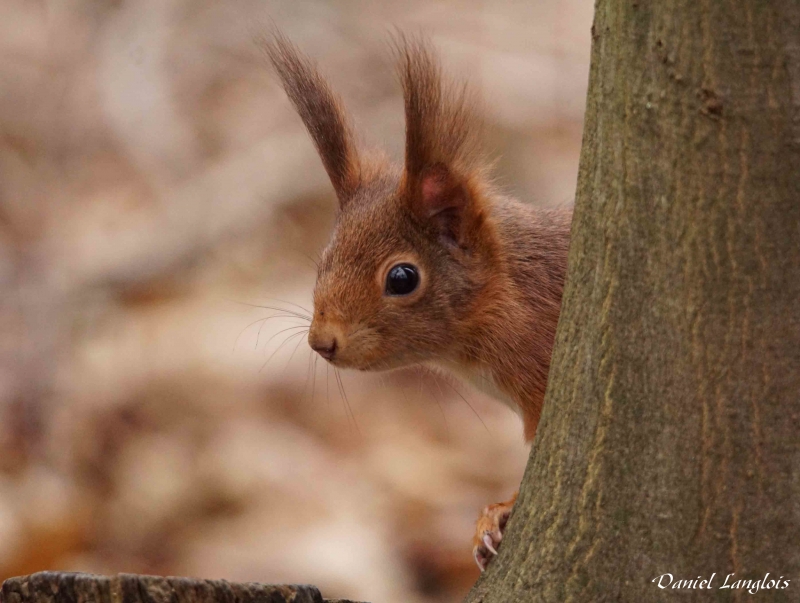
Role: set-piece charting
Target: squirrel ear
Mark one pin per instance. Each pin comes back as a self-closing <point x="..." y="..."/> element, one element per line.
<point x="441" y="138"/>
<point x="321" y="111"/>
<point x="443" y="199"/>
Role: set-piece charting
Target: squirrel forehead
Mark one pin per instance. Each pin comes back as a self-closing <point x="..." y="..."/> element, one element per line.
<point x="363" y="240"/>
<point x="367" y="231"/>
<point x="360" y="245"/>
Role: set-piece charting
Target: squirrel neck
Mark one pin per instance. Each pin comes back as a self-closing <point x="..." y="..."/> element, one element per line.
<point x="509" y="332"/>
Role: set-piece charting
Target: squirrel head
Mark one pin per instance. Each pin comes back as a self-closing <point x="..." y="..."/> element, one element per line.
<point x="412" y="247"/>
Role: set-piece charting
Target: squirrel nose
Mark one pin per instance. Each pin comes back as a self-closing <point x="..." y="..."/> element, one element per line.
<point x="326" y="349"/>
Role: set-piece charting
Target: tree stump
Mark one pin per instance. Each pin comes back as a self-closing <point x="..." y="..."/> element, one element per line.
<point x="63" y="587"/>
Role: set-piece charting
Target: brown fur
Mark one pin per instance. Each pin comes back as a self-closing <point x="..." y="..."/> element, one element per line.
<point x="492" y="268"/>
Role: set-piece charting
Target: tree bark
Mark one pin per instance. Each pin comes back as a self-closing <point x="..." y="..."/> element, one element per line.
<point x="60" y="587"/>
<point x="670" y="437"/>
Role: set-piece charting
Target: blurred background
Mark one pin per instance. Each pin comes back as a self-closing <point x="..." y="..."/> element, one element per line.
<point x="156" y="188"/>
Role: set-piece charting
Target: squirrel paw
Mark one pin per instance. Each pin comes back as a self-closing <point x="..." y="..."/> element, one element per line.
<point x="489" y="531"/>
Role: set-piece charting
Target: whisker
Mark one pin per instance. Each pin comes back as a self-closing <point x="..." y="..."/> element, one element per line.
<point x="258" y="335"/>
<point x="479" y="375"/>
<point x="346" y="400"/>
<point x="438" y="403"/>
<point x="439" y="387"/>
<point x="305" y="383"/>
<point x="283" y="301"/>
<point x="312" y="260"/>
<point x="327" y="385"/>
<point x="287" y="310"/>
<point x="236" y="341"/>
<point x="293" y="335"/>
<point x="381" y="379"/>
<point x="341" y="396"/>
<point x="274" y="335"/>
<point x="292" y="354"/>
<point x="260" y="320"/>
<point x="475" y="412"/>
<point x="313" y="377"/>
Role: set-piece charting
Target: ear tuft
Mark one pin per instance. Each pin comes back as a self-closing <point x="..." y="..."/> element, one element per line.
<point x="321" y="111"/>
<point x="441" y="124"/>
<point x="442" y="132"/>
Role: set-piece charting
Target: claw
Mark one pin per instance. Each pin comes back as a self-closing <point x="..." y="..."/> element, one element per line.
<point x="489" y="532"/>
<point x="476" y="555"/>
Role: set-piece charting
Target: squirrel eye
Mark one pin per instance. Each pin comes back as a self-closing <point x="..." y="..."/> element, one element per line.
<point x="402" y="279"/>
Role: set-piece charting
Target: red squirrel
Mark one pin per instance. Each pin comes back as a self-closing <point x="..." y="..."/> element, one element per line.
<point x="428" y="262"/>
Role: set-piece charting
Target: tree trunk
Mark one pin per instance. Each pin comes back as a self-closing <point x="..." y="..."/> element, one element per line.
<point x="670" y="437"/>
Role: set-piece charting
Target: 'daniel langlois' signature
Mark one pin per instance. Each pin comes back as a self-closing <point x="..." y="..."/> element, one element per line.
<point x="752" y="586"/>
